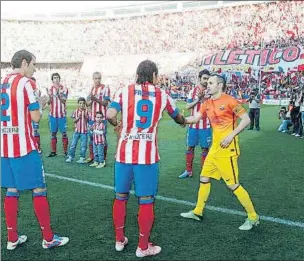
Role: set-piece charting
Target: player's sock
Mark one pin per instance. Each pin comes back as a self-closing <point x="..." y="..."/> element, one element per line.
<point x="204" y="155"/>
<point x="119" y="217"/>
<point x="145" y="222"/>
<point x="11" y="214"/>
<point x="105" y="151"/>
<point x="189" y="160"/>
<point x="246" y="202"/>
<point x="42" y="211"/>
<point x="202" y="198"/>
<point x="65" y="142"/>
<point x="91" y="151"/>
<point x="54" y="142"/>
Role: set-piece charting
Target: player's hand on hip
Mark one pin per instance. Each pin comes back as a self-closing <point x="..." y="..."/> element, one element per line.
<point x="226" y="142"/>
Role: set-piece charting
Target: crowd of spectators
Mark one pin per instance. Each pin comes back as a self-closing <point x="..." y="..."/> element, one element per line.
<point x="277" y="23"/>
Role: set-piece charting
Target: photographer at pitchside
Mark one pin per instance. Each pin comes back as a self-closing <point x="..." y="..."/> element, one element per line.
<point x="254" y="110"/>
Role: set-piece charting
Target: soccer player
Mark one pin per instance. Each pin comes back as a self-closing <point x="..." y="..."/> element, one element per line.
<point x="21" y="164"/>
<point x="137" y="157"/>
<point x="57" y="118"/>
<point x="98" y="100"/>
<point x="221" y="162"/>
<point x="200" y="132"/>
<point x="98" y="129"/>
<point x="80" y="117"/>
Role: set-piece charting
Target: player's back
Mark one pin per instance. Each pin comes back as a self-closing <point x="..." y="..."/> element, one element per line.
<point x="142" y="107"/>
<point x="17" y="99"/>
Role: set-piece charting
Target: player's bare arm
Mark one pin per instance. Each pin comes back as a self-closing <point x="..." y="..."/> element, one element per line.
<point x="112" y="116"/>
<point x="180" y="119"/>
<point x="194" y="119"/>
<point x="245" y="120"/>
<point x="100" y="101"/>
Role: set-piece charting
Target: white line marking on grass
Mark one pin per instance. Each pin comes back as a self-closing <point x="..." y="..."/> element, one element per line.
<point x="187" y="203"/>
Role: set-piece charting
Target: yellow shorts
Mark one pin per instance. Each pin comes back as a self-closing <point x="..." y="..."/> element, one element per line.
<point x="225" y="168"/>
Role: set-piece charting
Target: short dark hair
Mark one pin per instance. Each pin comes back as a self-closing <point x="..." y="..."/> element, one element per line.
<point x="220" y="79"/>
<point x="99" y="112"/>
<point x="19" y="56"/>
<point x="201" y="73"/>
<point x="145" y="71"/>
<point x="81" y="99"/>
<point x="34" y="79"/>
<point x="55" y="74"/>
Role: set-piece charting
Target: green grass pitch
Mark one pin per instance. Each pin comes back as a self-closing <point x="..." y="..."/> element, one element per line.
<point x="271" y="169"/>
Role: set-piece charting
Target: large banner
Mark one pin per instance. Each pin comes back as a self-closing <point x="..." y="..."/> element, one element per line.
<point x="276" y="59"/>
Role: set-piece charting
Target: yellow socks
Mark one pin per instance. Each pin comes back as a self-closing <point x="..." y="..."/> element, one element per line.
<point x="202" y="198"/>
<point x="246" y="202"/>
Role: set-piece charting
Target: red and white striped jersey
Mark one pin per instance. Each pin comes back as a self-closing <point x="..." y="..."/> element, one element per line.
<point x="58" y="109"/>
<point x="81" y="126"/>
<point x="103" y="93"/>
<point x="142" y="107"/>
<point x="18" y="98"/>
<point x="204" y="122"/>
<point x="99" y="138"/>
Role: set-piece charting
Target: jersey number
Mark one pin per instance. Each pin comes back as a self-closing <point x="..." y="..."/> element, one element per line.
<point x="5" y="104"/>
<point x="144" y="110"/>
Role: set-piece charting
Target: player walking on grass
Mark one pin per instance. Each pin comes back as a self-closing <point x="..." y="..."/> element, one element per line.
<point x="198" y="133"/>
<point x="98" y="100"/>
<point x="57" y="118"/>
<point x="221" y="162"/>
<point x="80" y="117"/>
<point x="21" y="165"/>
<point x="137" y="155"/>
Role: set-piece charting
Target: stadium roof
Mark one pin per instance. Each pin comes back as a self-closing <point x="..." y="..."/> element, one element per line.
<point x="49" y="7"/>
<point x="92" y="10"/>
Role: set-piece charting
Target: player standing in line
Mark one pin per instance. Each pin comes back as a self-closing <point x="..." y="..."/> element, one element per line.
<point x="137" y="155"/>
<point x="21" y="164"/>
<point x="200" y="132"/>
<point x="80" y="118"/>
<point x="221" y="162"/>
<point x="98" y="100"/>
<point x="57" y="119"/>
<point x="98" y="129"/>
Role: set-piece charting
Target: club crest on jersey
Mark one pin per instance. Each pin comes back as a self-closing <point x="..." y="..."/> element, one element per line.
<point x="222" y="107"/>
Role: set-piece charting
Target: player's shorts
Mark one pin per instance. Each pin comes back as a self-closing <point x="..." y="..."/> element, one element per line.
<point x="203" y="137"/>
<point x="58" y="123"/>
<point x="145" y="178"/>
<point x="221" y="167"/>
<point x="23" y="173"/>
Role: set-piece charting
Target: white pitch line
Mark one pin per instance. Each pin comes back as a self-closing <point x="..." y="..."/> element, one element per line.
<point x="187" y="203"/>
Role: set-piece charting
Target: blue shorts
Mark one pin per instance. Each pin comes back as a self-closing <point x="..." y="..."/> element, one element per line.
<point x="203" y="137"/>
<point x="23" y="173"/>
<point x="145" y="178"/>
<point x="57" y="123"/>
